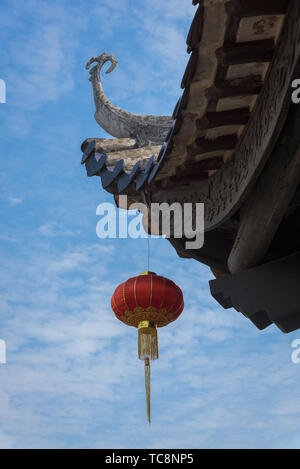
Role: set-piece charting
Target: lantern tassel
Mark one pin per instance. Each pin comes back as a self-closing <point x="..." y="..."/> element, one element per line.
<point x="147" y="340"/>
<point x="148" y="349"/>
<point x="147" y="386"/>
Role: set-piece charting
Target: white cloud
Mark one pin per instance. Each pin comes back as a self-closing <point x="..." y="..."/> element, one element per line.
<point x="14" y="200"/>
<point x="53" y="228"/>
<point x="38" y="61"/>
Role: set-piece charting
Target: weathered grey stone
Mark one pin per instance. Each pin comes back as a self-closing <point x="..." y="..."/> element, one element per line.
<point x="107" y="145"/>
<point x="146" y="130"/>
<point x="130" y="157"/>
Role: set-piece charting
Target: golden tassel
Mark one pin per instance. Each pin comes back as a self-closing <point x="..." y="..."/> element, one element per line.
<point x="147" y="340"/>
<point x="148" y="349"/>
<point x="147" y="387"/>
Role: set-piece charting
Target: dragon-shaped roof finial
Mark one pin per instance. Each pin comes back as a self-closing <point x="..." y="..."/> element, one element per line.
<point x="101" y="60"/>
<point x="147" y="130"/>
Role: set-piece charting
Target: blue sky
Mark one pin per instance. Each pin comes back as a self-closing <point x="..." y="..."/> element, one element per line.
<point x="72" y="378"/>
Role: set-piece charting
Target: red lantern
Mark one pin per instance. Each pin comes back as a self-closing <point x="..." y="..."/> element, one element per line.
<point x="147" y="302"/>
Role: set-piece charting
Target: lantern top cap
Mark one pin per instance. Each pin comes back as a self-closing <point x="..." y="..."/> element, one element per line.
<point x="147" y="272"/>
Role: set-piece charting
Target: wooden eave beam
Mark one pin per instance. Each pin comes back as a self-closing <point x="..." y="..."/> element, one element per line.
<point x="249" y="85"/>
<point x="217" y="119"/>
<point x="246" y="52"/>
<point x="248" y="8"/>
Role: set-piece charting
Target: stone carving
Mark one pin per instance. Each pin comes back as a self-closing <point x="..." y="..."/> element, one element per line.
<point x="146" y="130"/>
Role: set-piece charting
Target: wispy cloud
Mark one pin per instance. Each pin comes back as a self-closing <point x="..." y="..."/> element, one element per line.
<point x="14" y="200"/>
<point x="38" y="57"/>
<point x="53" y="228"/>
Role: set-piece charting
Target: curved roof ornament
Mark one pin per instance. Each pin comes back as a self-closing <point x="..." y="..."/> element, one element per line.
<point x="147" y="130"/>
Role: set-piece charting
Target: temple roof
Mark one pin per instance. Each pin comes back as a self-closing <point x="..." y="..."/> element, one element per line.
<point x="231" y="46"/>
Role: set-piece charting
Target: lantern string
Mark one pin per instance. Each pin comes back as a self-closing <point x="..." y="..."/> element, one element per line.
<point x="148" y="245"/>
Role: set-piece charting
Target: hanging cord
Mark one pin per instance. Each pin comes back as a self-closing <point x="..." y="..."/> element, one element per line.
<point x="148" y="245"/>
<point x="148" y="236"/>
